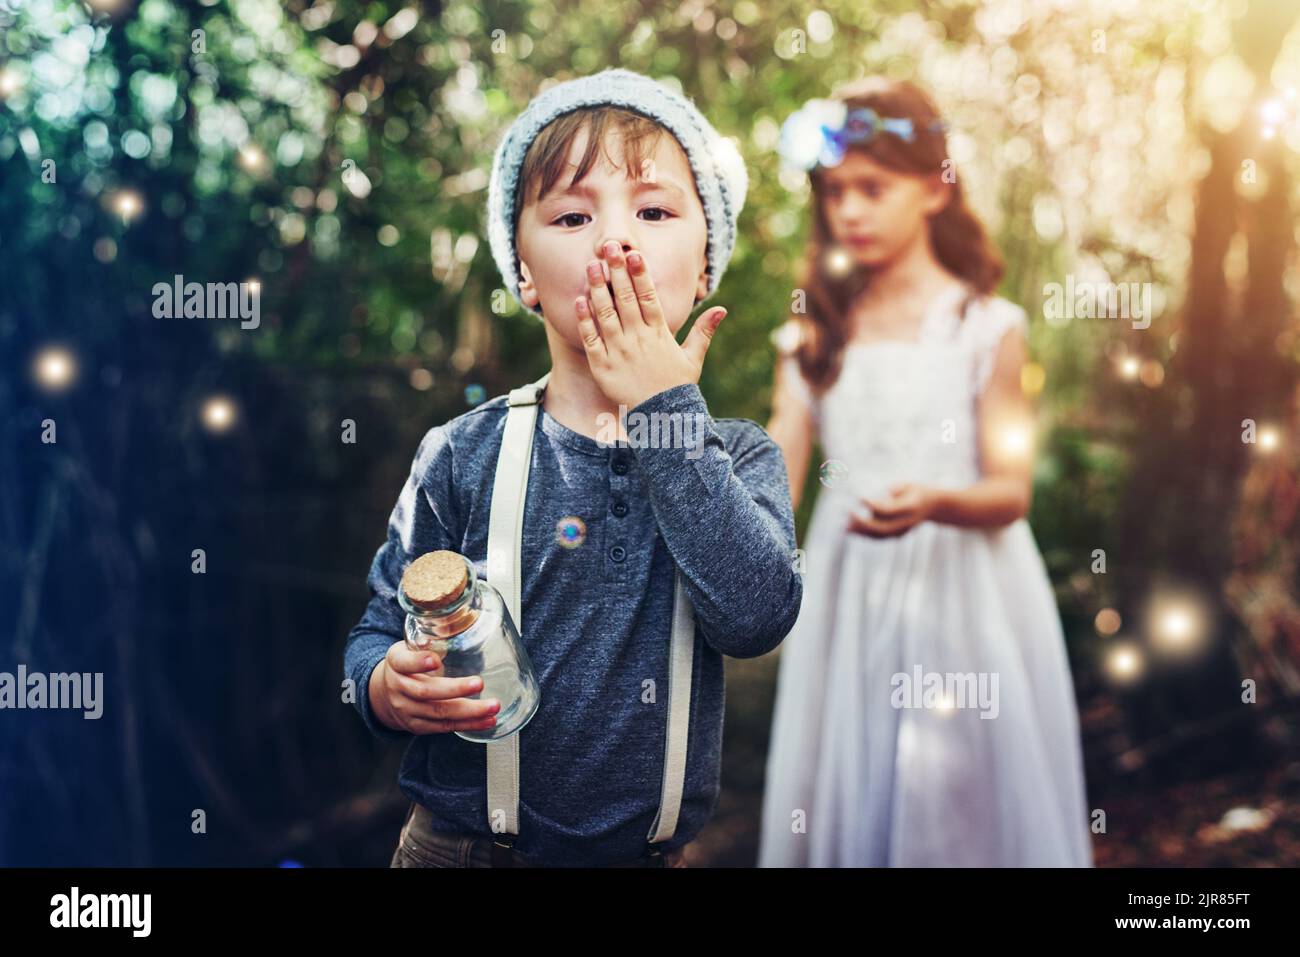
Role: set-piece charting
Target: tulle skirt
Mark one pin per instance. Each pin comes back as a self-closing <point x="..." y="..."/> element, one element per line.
<point x="925" y="713"/>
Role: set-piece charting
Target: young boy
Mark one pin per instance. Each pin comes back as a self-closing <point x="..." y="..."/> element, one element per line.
<point x="612" y="212"/>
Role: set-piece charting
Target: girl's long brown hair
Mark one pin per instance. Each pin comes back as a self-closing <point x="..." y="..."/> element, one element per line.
<point x="958" y="239"/>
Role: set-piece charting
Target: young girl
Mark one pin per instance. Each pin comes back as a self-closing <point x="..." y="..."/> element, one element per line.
<point x="925" y="714"/>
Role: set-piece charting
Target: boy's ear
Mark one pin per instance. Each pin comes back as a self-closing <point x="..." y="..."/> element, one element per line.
<point x="527" y="291"/>
<point x="702" y="284"/>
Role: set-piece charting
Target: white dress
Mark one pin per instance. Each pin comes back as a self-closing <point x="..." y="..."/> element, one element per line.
<point x="853" y="779"/>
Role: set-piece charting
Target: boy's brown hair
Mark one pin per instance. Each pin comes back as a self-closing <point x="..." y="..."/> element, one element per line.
<point x="547" y="157"/>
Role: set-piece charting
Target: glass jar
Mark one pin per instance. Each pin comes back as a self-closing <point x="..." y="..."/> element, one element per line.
<point x="462" y="619"/>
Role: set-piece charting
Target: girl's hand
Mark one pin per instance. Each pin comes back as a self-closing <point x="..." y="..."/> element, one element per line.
<point x="632" y="353"/>
<point x="908" y="505"/>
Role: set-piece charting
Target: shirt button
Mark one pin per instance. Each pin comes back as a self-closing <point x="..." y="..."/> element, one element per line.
<point x="617" y="553"/>
<point x="620" y="466"/>
<point x="619" y="509"/>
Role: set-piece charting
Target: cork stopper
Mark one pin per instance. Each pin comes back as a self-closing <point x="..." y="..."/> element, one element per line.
<point x="435" y="579"/>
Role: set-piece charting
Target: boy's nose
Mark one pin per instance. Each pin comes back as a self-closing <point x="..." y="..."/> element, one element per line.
<point x="623" y="244"/>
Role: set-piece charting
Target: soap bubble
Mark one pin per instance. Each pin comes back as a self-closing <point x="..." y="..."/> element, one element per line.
<point x="833" y="472"/>
<point x="570" y="531"/>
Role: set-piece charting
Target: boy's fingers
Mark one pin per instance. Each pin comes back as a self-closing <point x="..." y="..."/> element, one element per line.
<point x="430" y="688"/>
<point x="626" y="300"/>
<point x="697" y="343"/>
<point x="652" y="312"/>
<point x="453" y="709"/>
<point x="607" y="320"/>
<point x="424" y="726"/>
<point x="405" y="660"/>
<point x="453" y="713"/>
<point x="591" y="339"/>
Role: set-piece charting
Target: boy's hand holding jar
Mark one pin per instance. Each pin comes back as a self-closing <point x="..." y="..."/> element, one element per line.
<point x="406" y="693"/>
<point x="456" y="624"/>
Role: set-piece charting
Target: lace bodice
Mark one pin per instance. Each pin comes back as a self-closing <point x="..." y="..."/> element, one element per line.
<point x="905" y="411"/>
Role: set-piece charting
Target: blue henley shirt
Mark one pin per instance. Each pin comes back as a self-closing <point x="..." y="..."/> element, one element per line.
<point x="597" y="617"/>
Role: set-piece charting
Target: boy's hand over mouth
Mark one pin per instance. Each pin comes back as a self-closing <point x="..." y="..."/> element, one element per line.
<point x="632" y="353"/>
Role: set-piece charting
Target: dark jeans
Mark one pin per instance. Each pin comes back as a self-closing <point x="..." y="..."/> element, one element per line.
<point x="421" y="846"/>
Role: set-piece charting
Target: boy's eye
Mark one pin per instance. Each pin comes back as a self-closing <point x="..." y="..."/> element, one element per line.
<point x="657" y="209"/>
<point x="567" y="219"/>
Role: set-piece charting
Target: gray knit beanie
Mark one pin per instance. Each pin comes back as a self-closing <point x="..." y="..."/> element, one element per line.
<point x="719" y="171"/>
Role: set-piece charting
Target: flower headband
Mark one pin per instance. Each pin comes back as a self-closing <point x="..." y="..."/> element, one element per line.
<point x="820" y="131"/>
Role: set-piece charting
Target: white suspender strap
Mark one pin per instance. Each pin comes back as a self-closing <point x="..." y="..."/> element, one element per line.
<point x="505" y="573"/>
<point x="681" y="656"/>
<point x="505" y="533"/>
